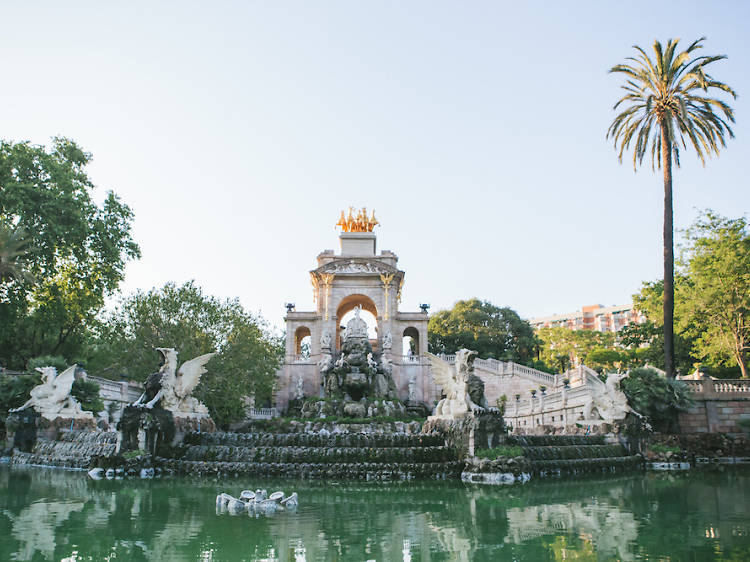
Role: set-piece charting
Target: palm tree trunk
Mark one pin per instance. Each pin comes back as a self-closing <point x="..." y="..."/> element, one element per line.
<point x="666" y="158"/>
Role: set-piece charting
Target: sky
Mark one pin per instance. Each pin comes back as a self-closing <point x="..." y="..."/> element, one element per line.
<point x="238" y="131"/>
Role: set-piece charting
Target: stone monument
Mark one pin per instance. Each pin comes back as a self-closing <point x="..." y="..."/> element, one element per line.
<point x="359" y="277"/>
<point x="50" y="408"/>
<point x="166" y="410"/>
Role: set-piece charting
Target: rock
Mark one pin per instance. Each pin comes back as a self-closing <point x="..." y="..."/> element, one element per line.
<point x="110" y="473"/>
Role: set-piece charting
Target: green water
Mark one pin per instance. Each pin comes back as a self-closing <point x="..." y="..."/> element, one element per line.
<point x="57" y="515"/>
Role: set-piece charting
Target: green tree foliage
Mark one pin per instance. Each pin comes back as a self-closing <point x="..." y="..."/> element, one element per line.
<point x="55" y="361"/>
<point x="485" y="328"/>
<point x="712" y="301"/>
<point x="561" y="348"/>
<point x="714" y="307"/>
<point x="194" y="324"/>
<point x="74" y="251"/>
<point x="87" y="394"/>
<point x="658" y="398"/>
<point x="14" y="244"/>
<point x="666" y="105"/>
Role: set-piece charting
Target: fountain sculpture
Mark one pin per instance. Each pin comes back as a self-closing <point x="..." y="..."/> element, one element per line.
<point x="166" y="409"/>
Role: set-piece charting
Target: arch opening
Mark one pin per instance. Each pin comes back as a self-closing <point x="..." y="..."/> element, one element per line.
<point x="302" y="341"/>
<point x="369" y="313"/>
<point x="410" y="342"/>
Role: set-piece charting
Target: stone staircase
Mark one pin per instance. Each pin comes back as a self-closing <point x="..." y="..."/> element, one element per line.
<point x="553" y="455"/>
<point x="325" y="453"/>
<point x="75" y="449"/>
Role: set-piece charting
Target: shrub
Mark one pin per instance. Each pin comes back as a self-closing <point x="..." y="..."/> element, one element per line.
<point x="55" y="361"/>
<point x="501" y="451"/>
<point x="87" y="394"/>
<point x="658" y="398"/>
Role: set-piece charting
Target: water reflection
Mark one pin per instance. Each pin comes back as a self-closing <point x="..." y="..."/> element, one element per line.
<point x="57" y="515"/>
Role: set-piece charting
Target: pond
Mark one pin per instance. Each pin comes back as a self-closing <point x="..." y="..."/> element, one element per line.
<point x="50" y="514"/>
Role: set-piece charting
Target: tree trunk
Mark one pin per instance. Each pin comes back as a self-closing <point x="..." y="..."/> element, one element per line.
<point x="666" y="158"/>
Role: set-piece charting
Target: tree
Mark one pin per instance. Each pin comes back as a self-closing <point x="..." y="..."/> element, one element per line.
<point x="646" y="341"/>
<point x="13" y="249"/>
<point x="666" y="105"/>
<point x="193" y="323"/>
<point x="73" y="250"/>
<point x="715" y="303"/>
<point x="562" y="347"/>
<point x="485" y="328"/>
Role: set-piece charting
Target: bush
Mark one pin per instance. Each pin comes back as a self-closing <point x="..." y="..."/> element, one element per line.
<point x="501" y="451"/>
<point x="55" y="361"/>
<point x="656" y="397"/>
<point x="87" y="394"/>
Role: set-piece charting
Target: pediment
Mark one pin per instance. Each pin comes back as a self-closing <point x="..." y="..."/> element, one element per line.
<point x="355" y="267"/>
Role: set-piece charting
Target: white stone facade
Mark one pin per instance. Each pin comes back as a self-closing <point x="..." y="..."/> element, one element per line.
<point x="358" y="276"/>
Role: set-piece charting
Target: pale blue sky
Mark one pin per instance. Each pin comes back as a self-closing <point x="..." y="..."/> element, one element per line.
<point x="237" y="131"/>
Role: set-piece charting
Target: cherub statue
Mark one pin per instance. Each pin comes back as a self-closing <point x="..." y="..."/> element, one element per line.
<point x="52" y="398"/>
<point x="173" y="388"/>
<point x="454" y="380"/>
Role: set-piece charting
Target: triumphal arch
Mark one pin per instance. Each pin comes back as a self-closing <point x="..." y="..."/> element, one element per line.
<point x="356" y="279"/>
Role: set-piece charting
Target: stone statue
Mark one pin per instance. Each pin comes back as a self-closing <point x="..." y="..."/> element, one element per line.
<point x="52" y="398"/>
<point x="454" y="380"/>
<point x="412" y="386"/>
<point x="358" y="372"/>
<point x="325" y="340"/>
<point x="172" y="387"/>
<point x="608" y="400"/>
<point x="300" y="388"/>
<point x="387" y="341"/>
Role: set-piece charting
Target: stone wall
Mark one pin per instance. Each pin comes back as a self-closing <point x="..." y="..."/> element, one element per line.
<point x="719" y="405"/>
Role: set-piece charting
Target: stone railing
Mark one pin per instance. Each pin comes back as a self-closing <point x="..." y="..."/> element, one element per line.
<point x="117" y="391"/>
<point x="721" y="387"/>
<point x="509" y="368"/>
<point x="560" y="408"/>
<point x="300" y="360"/>
<point x="411" y="360"/>
<point x="262" y="413"/>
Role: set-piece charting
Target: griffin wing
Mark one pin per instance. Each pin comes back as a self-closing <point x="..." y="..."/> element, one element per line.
<point x="443" y="373"/>
<point x="63" y="384"/>
<point x="189" y="375"/>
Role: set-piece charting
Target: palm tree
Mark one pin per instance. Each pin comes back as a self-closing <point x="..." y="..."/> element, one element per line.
<point x="13" y="248"/>
<point x="667" y="107"/>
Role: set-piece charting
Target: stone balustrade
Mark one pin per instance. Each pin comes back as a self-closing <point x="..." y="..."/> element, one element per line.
<point x="262" y="413"/>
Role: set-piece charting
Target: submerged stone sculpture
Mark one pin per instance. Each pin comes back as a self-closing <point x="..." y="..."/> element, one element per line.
<point x="609" y="401"/>
<point x="52" y="399"/>
<point x="462" y="393"/>
<point x="255" y="503"/>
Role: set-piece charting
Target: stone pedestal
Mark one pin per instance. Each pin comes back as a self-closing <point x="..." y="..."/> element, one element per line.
<point x="143" y="429"/>
<point x="21" y="430"/>
<point x="471" y="432"/>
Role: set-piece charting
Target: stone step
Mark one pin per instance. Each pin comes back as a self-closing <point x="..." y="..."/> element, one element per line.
<point x="580" y="466"/>
<point x="327" y="454"/>
<point x="334" y="470"/>
<point x="554" y="440"/>
<point x="574" y="452"/>
<point x="314" y="439"/>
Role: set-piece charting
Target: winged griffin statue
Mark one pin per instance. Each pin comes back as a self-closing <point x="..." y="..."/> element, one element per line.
<point x="173" y="387"/>
<point x="608" y="400"/>
<point x="52" y="398"/>
<point x="456" y="382"/>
